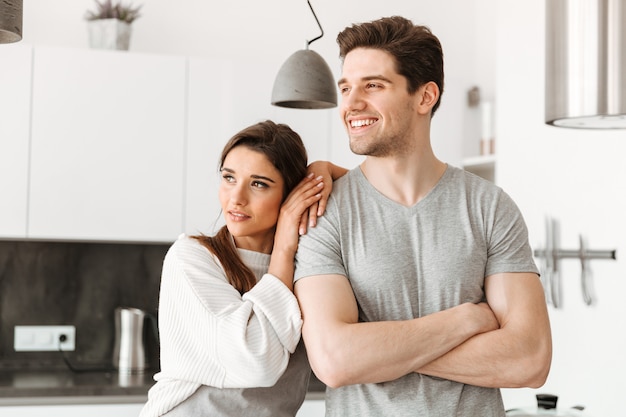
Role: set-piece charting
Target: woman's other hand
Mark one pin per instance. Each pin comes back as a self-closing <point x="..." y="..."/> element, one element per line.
<point x="328" y="172"/>
<point x="288" y="228"/>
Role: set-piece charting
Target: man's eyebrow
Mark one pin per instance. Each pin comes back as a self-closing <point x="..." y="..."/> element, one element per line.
<point x="368" y="78"/>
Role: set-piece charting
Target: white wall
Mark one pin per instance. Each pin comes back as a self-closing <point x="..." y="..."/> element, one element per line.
<point x="259" y="36"/>
<point x="579" y="178"/>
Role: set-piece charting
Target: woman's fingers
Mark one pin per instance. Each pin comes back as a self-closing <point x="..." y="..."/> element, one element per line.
<point x="304" y="220"/>
<point x="301" y="199"/>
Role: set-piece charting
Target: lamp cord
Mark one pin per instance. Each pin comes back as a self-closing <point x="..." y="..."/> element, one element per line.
<point x="318" y="24"/>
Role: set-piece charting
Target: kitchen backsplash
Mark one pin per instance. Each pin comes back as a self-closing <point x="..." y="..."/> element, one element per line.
<point x="80" y="284"/>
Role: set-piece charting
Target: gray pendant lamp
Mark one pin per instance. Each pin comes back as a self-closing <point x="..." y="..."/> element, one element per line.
<point x="305" y="80"/>
<point x="10" y="21"/>
<point x="586" y="64"/>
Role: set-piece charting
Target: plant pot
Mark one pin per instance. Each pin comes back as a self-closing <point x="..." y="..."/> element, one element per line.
<point x="109" y="34"/>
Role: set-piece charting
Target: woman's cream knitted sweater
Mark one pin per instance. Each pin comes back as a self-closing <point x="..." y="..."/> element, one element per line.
<point x="211" y="335"/>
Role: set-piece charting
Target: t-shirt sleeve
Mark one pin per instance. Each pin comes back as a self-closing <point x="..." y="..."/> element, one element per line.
<point x="508" y="246"/>
<point x="319" y="250"/>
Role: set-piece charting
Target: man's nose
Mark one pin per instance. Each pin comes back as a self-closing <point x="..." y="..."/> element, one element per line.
<point x="353" y="100"/>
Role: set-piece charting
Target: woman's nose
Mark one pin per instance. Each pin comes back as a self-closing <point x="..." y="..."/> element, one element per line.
<point x="238" y="195"/>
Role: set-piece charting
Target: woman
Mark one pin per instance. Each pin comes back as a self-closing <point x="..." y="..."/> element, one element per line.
<point x="229" y="322"/>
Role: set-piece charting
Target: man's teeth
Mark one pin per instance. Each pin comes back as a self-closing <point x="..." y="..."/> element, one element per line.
<point x="359" y="123"/>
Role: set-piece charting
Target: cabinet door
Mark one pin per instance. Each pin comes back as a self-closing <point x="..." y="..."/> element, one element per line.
<point x="15" y="77"/>
<point x="312" y="408"/>
<point x="107" y="145"/>
<point x="209" y="126"/>
<point x="91" y="410"/>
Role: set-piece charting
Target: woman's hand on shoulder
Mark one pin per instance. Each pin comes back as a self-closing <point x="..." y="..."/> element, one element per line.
<point x="328" y="172"/>
<point x="288" y="229"/>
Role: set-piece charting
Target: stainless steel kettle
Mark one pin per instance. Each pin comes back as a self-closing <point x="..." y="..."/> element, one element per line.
<point x="129" y="355"/>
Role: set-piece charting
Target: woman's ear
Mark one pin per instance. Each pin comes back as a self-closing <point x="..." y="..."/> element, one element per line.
<point x="428" y="95"/>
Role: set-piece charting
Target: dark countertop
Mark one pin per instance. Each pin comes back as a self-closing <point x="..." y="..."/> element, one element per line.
<point x="67" y="387"/>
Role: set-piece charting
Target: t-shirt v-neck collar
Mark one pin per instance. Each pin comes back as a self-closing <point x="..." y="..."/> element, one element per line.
<point x="375" y="193"/>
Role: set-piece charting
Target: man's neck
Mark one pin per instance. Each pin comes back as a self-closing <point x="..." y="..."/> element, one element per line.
<point x="404" y="179"/>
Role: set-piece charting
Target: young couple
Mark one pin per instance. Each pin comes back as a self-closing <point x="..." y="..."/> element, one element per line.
<point x="417" y="293"/>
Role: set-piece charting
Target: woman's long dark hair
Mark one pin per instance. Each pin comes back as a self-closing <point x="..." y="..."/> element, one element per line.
<point x="284" y="149"/>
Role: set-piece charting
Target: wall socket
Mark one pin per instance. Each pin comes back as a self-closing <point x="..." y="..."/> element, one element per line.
<point x="44" y="338"/>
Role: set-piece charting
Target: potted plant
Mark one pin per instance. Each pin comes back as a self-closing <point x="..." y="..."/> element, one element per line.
<point x="110" y="24"/>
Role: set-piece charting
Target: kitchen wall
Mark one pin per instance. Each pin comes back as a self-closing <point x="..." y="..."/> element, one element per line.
<point x="260" y="36"/>
<point x="577" y="177"/>
<point x="78" y="283"/>
<point x="574" y="176"/>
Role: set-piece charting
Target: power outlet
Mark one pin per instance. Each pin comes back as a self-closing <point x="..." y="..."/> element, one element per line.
<point x="44" y="338"/>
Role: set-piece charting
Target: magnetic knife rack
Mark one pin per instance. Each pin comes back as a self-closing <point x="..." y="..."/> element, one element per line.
<point x="552" y="255"/>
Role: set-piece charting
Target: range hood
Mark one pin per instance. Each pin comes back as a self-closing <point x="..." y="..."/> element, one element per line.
<point x="586" y="64"/>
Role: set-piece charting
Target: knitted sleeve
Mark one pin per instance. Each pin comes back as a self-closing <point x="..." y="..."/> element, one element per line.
<point x="212" y="335"/>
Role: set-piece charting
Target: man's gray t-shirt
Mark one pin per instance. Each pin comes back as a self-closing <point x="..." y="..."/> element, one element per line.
<point x="407" y="262"/>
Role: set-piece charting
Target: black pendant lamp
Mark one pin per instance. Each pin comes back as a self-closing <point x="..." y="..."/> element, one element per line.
<point x="10" y="21"/>
<point x="305" y="80"/>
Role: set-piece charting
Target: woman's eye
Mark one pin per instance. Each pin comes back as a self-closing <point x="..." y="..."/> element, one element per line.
<point x="228" y="178"/>
<point x="259" y="184"/>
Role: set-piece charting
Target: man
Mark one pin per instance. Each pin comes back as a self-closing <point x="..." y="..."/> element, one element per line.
<point x="418" y="289"/>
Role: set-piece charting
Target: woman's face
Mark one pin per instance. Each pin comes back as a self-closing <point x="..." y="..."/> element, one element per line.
<point x="251" y="193"/>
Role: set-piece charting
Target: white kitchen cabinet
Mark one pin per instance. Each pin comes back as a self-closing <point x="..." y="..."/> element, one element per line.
<point x="312" y="408"/>
<point x="15" y="75"/>
<point x="107" y="146"/>
<point x="209" y="125"/>
<point x="79" y="410"/>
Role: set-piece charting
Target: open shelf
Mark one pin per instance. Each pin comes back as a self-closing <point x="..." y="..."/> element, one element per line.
<point x="483" y="166"/>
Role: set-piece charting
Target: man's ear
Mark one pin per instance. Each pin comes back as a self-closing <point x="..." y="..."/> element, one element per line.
<point x="428" y="95"/>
